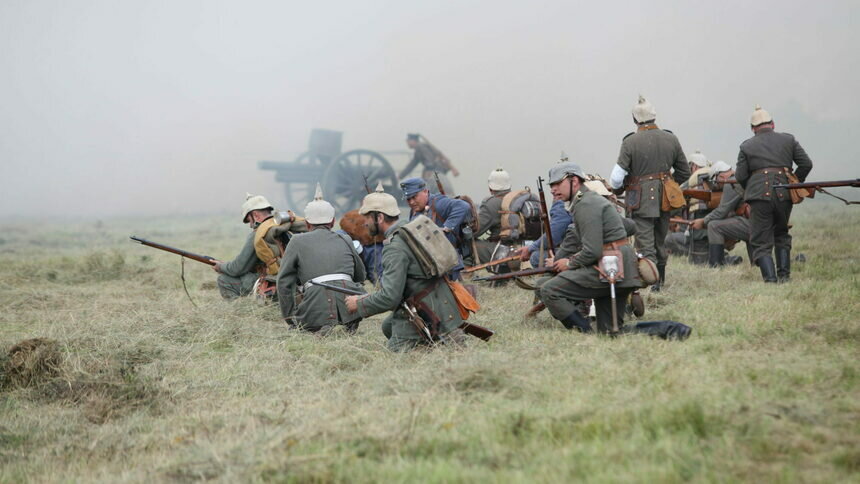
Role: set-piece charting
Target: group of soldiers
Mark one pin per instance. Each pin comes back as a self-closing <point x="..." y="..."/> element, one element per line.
<point x="588" y="224"/>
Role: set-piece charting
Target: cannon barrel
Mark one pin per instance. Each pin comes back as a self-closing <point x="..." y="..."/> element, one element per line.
<point x="273" y="165"/>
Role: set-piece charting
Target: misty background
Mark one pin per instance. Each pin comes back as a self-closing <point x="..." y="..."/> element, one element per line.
<point x="165" y="107"/>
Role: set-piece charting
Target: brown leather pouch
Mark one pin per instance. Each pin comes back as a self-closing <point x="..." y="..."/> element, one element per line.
<point x="673" y="196"/>
<point x="633" y="196"/>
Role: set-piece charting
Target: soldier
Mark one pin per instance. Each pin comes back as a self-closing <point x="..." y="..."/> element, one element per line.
<point x="598" y="227"/>
<point x="236" y="278"/>
<point x="559" y="220"/>
<point x="448" y="213"/>
<point x="689" y="241"/>
<point x="432" y="160"/>
<point x="404" y="279"/>
<point x="724" y="222"/>
<point x="320" y="255"/>
<point x="489" y="214"/>
<point x="765" y="160"/>
<point x="644" y="163"/>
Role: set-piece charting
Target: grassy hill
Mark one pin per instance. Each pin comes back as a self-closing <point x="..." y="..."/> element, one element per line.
<point x="133" y="382"/>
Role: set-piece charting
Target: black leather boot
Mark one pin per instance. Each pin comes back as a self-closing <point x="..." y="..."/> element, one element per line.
<point x="783" y="264"/>
<point x="716" y="255"/>
<point x="661" y="269"/>
<point x="576" y="320"/>
<point x="768" y="272"/>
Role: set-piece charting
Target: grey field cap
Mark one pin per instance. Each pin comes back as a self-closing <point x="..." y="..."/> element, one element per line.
<point x="562" y="170"/>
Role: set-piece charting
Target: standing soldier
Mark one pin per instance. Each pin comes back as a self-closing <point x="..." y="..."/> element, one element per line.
<point x="489" y="214"/>
<point x="404" y="279"/>
<point x="724" y="223"/>
<point x="766" y="160"/>
<point x="645" y="164"/>
<point x="236" y="278"/>
<point x="320" y="255"/>
<point x="449" y="213"/>
<point x="599" y="228"/>
<point x="432" y="160"/>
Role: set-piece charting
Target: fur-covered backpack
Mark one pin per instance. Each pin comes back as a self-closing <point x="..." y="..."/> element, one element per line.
<point x="520" y="216"/>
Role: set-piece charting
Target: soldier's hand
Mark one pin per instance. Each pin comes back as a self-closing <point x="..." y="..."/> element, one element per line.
<point x="560" y="265"/>
<point x="217" y="266"/>
<point x="698" y="224"/>
<point x="351" y="303"/>
<point x="524" y="254"/>
<point x="455" y="171"/>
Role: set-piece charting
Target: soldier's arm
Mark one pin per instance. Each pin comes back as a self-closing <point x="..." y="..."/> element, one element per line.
<point x="803" y="162"/>
<point x="559" y="221"/>
<point x="680" y="165"/>
<point x="359" y="274"/>
<point x="288" y="279"/>
<point x="454" y="212"/>
<point x="589" y="221"/>
<point x="264" y="251"/>
<point x="395" y="263"/>
<point x="742" y="170"/>
<point x="570" y="244"/>
<point x="622" y="168"/>
<point x="409" y="166"/>
<point x="728" y="204"/>
<point x="244" y="262"/>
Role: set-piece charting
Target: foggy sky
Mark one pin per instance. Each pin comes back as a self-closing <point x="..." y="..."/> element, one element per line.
<point x="157" y="107"/>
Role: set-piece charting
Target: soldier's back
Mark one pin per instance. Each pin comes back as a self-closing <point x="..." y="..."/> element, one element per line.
<point x="651" y="151"/>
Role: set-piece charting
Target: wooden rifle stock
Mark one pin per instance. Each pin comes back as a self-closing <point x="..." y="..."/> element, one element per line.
<point x="682" y="221"/>
<point x="544" y="218"/>
<point x="468" y="328"/>
<point x="173" y="250"/>
<point x="703" y="195"/>
<point x="438" y="183"/>
<point x="511" y="275"/>
<point x="491" y="263"/>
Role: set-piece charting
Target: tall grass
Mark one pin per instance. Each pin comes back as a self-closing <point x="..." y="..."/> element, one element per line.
<point x="141" y="385"/>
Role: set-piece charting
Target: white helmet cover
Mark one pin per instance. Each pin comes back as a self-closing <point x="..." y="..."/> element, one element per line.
<point x="644" y="111"/>
<point x="699" y="159"/>
<point x="379" y="201"/>
<point x="318" y="211"/>
<point x="760" y="116"/>
<point x="253" y="202"/>
<point x="499" y="180"/>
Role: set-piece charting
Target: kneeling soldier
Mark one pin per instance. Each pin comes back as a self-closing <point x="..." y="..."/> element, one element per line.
<point x="727" y="222"/>
<point x="600" y="229"/>
<point x="236" y="278"/>
<point x="404" y="279"/>
<point x="320" y="256"/>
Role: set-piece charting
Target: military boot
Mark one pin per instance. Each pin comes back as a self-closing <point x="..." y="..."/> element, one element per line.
<point x="783" y="264"/>
<point x="576" y="320"/>
<point x="716" y="255"/>
<point x="768" y="272"/>
<point x="661" y="269"/>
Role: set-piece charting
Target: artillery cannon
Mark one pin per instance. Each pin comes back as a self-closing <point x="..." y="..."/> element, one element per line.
<point x="342" y="175"/>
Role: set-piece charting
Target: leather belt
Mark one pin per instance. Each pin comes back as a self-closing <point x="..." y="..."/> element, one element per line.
<point x="328" y="278"/>
<point x="635" y="180"/>
<point x="615" y="244"/>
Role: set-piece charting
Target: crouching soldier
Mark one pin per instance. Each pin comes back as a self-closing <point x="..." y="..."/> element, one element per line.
<point x="729" y="222"/>
<point x="600" y="230"/>
<point x="236" y="278"/>
<point x="405" y="280"/>
<point x="320" y="255"/>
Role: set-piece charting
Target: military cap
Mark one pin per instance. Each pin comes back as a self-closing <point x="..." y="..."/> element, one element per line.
<point x="379" y="201"/>
<point x="760" y="116"/>
<point x="563" y="170"/>
<point x="254" y="202"/>
<point x="412" y="186"/>
<point x="413" y="137"/>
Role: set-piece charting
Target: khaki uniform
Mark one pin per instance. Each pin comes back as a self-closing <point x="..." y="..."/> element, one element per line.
<point x="762" y="162"/>
<point x="595" y="223"/>
<point x="238" y="276"/>
<point x="649" y="151"/>
<point x="318" y="253"/>
<point x="402" y="278"/>
<point x="430" y="159"/>
<point x="490" y="223"/>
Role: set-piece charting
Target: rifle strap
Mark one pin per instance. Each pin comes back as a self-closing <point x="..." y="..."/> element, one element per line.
<point x="416" y="301"/>
<point x="182" y="276"/>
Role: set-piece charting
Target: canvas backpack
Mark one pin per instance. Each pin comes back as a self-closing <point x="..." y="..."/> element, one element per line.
<point x="430" y="245"/>
<point x="520" y="216"/>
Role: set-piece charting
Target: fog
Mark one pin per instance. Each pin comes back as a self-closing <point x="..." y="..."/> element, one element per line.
<point x="130" y="108"/>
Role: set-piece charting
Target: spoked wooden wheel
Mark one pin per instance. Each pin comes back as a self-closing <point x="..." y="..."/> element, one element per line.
<point x="344" y="180"/>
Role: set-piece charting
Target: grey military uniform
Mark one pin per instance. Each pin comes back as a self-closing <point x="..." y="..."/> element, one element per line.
<point x="318" y="253"/>
<point x="723" y="223"/>
<point x="429" y="158"/>
<point x="490" y="223"/>
<point x="238" y="276"/>
<point x="595" y="223"/>
<point x="762" y="162"/>
<point x="402" y="278"/>
<point x="650" y="151"/>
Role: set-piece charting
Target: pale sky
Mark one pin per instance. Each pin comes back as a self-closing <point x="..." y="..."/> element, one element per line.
<point x="159" y="107"/>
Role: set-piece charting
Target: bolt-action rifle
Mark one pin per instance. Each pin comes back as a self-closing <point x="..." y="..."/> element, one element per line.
<point x="544" y="217"/>
<point x="468" y="328"/>
<point x="173" y="250"/>
<point x="511" y="275"/>
<point x="491" y="264"/>
<point x="820" y="187"/>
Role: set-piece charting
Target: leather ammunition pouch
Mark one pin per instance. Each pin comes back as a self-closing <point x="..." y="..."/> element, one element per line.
<point x="609" y="249"/>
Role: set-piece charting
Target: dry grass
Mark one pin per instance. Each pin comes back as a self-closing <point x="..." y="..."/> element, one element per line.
<point x="130" y="382"/>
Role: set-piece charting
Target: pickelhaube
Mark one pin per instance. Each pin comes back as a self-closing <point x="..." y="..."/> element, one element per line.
<point x="379" y="201"/>
<point x="699" y="159"/>
<point x="499" y="180"/>
<point x="644" y="111"/>
<point x="760" y="116"/>
<point x="318" y="211"/>
<point x="254" y="202"/>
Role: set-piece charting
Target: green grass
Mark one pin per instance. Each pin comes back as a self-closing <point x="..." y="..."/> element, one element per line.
<point x="141" y="385"/>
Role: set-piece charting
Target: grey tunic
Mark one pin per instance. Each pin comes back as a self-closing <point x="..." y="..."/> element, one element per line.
<point x="403" y="277"/>
<point x="311" y="255"/>
<point x="649" y="151"/>
<point x="769" y="149"/>
<point x="238" y="276"/>
<point x="490" y="223"/>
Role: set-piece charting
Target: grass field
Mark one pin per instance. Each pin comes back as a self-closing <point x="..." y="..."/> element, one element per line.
<point x="134" y="383"/>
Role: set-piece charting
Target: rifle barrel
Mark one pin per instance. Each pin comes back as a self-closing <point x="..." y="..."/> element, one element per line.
<point x="511" y="275"/>
<point x="822" y="184"/>
<point x="173" y="250"/>
<point x="490" y="264"/>
<point x="544" y="216"/>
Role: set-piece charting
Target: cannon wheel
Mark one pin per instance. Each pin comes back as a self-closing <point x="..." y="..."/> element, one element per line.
<point x="298" y="193"/>
<point x="343" y="181"/>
